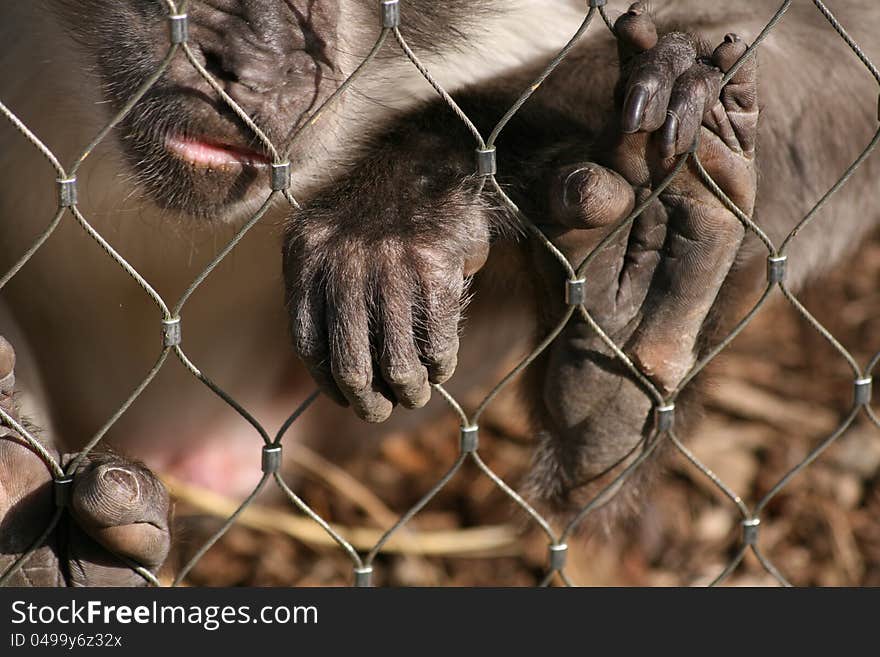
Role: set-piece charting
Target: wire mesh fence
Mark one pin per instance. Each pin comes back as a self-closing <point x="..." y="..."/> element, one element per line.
<point x="171" y="316"/>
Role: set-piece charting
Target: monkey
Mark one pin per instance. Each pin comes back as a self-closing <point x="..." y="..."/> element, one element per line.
<point x="376" y="261"/>
<point x="88" y="58"/>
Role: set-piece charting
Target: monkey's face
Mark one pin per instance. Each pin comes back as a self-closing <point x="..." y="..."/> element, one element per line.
<point x="188" y="148"/>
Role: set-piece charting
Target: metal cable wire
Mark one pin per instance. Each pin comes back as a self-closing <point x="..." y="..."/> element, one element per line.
<point x="363" y="565"/>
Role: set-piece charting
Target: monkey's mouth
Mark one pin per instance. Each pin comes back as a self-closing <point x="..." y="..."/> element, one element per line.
<point x="208" y="154"/>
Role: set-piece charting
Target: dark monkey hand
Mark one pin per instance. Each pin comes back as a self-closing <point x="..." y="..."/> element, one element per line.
<point x="116" y="508"/>
<point x="376" y="269"/>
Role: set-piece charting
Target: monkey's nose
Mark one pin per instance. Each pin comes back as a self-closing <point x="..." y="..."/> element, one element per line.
<point x="217" y="66"/>
<point x="247" y="75"/>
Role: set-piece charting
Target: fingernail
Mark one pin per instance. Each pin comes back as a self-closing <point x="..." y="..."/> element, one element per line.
<point x="670" y="135"/>
<point x="634" y="108"/>
<point x="636" y="9"/>
<point x="575" y="184"/>
<point x="123" y="481"/>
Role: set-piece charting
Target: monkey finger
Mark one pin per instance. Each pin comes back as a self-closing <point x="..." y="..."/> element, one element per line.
<point x="651" y="82"/>
<point x="635" y="31"/>
<point x="399" y="361"/>
<point x="351" y="360"/>
<point x="694" y="95"/>
<point x="739" y="98"/>
<point x="587" y="195"/>
<point x="7" y="365"/>
<point x="23" y="465"/>
<point x="309" y="331"/>
<point x="7" y="375"/>
<point x="727" y="55"/>
<point x="439" y="314"/>
<point x="124" y="508"/>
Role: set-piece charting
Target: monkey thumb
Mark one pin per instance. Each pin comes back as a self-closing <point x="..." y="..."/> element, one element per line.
<point x="587" y="195"/>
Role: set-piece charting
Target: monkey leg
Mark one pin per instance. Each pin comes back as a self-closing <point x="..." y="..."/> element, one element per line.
<point x="117" y="509"/>
<point x="675" y="95"/>
<point x="651" y="288"/>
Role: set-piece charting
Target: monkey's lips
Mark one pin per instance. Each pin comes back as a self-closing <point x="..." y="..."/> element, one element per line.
<point x="214" y="155"/>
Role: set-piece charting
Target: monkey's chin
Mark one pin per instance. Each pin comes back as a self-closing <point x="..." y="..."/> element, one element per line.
<point x="202" y="179"/>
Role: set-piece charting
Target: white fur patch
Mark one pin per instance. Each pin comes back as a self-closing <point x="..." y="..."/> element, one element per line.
<point x="525" y="32"/>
